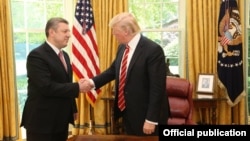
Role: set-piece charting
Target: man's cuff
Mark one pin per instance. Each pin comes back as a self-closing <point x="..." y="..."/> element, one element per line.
<point x="155" y="123"/>
<point x="92" y="83"/>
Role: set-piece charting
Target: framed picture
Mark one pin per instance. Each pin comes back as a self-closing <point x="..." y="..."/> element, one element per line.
<point x="205" y="83"/>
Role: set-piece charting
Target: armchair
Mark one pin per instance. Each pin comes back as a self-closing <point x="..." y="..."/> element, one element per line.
<point x="179" y="92"/>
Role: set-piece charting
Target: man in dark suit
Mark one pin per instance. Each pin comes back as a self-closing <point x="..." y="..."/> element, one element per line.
<point x="146" y="102"/>
<point x="50" y="106"/>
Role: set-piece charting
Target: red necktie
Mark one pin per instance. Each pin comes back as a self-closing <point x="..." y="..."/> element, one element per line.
<point x="121" y="100"/>
<point x="62" y="60"/>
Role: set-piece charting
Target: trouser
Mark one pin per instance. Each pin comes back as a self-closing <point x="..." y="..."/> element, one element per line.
<point x="47" y="137"/>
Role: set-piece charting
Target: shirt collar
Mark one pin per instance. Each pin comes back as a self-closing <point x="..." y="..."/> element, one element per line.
<point x="53" y="47"/>
<point x="134" y="41"/>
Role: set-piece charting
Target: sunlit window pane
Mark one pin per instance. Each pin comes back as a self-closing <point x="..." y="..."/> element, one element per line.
<point x="158" y="20"/>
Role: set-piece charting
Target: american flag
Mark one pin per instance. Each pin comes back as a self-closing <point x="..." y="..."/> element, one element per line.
<point x="85" y="58"/>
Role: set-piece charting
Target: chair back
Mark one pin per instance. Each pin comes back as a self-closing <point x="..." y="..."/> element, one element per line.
<point x="179" y="92"/>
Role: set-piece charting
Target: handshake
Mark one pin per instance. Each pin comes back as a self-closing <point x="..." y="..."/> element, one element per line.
<point x="85" y="85"/>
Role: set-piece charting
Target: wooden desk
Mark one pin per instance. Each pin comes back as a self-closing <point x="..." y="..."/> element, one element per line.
<point x="207" y="105"/>
<point x="112" y="138"/>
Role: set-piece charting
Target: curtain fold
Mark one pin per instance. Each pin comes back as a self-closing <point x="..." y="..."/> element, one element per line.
<point x="9" y="115"/>
<point x="202" y="40"/>
<point x="103" y="11"/>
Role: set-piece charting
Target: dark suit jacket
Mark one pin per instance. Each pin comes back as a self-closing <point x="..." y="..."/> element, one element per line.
<point x="145" y="88"/>
<point x="51" y="102"/>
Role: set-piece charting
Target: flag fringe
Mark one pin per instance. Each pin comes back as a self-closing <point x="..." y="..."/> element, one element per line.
<point x="229" y="101"/>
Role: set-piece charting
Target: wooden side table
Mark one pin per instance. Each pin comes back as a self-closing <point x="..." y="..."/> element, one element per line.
<point x="109" y="103"/>
<point x="207" y="105"/>
<point x="112" y="127"/>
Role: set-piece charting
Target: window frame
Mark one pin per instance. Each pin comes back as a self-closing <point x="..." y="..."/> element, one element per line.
<point x="182" y="36"/>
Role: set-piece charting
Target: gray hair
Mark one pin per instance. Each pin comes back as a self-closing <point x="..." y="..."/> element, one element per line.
<point x="53" y="23"/>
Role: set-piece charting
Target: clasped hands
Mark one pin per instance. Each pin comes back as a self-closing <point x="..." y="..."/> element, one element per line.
<point x="85" y="85"/>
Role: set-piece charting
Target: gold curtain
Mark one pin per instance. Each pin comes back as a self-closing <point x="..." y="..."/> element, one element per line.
<point x="202" y="40"/>
<point x="103" y="11"/>
<point x="9" y="119"/>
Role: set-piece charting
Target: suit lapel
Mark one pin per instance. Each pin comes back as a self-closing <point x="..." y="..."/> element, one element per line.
<point x="57" y="60"/>
<point x="119" y="57"/>
<point x="137" y="53"/>
<point x="52" y="53"/>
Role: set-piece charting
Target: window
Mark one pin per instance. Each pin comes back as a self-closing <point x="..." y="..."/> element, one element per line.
<point x="29" y="18"/>
<point x="162" y="21"/>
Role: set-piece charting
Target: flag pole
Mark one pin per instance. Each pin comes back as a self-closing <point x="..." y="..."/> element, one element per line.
<point x="91" y="121"/>
<point x="232" y="116"/>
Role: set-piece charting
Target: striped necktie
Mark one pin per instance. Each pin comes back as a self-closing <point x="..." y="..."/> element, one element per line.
<point x="123" y="73"/>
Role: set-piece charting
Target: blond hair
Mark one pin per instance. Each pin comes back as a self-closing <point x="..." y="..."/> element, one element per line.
<point x="125" y="21"/>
